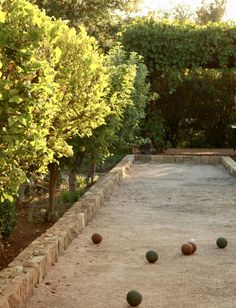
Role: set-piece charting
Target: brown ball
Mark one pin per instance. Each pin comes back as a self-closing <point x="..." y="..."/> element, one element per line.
<point x="194" y="246"/>
<point x="187" y="249"/>
<point x="96" y="238"/>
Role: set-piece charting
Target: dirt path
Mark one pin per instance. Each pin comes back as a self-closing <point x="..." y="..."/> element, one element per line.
<point x="157" y="206"/>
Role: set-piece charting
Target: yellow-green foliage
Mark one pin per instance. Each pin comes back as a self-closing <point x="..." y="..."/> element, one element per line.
<point x="167" y="45"/>
<point x="52" y="86"/>
<point x="127" y="99"/>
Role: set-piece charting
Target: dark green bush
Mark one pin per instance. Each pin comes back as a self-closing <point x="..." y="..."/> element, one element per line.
<point x="7" y="218"/>
<point x="70" y="196"/>
<point x="192" y="70"/>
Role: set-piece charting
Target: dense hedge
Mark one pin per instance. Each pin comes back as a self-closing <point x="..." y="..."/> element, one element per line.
<point x="169" y="44"/>
<point x="192" y="77"/>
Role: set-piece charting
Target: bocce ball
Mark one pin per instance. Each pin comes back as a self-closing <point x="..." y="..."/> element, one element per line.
<point x="194" y="246"/>
<point x="134" y="298"/>
<point x="96" y="238"/>
<point x="221" y="242"/>
<point x="187" y="249"/>
<point x="151" y="256"/>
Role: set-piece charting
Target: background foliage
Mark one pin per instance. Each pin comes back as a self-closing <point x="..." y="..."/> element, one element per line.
<point x="192" y="71"/>
<point x="102" y="19"/>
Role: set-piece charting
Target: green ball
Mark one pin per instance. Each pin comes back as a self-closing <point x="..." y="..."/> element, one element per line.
<point x="134" y="298"/>
<point x="221" y="242"/>
<point x="152" y="256"/>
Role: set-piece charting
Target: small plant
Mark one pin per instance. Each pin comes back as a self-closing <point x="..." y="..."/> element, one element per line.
<point x="70" y="196"/>
<point x="81" y="182"/>
<point x="7" y="218"/>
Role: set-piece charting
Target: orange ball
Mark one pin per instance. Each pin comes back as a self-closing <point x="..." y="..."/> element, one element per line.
<point x="187" y="249"/>
<point x="96" y="238"/>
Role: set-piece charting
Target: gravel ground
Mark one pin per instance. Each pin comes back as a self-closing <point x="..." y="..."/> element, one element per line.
<point x="160" y="207"/>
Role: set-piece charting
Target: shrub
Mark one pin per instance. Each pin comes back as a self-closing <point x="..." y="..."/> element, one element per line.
<point x="7" y="218"/>
<point x="70" y="196"/>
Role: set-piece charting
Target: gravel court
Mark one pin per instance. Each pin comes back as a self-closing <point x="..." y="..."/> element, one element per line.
<point x="160" y="207"/>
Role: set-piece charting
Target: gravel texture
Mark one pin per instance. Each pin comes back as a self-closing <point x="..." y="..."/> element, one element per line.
<point x="158" y="207"/>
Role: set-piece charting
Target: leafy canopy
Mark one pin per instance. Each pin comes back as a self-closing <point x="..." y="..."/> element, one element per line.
<point x="53" y="84"/>
<point x="169" y="45"/>
<point x="102" y="18"/>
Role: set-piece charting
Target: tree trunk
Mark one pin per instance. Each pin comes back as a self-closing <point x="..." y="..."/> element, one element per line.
<point x="3" y="258"/>
<point x="72" y="180"/>
<point x="54" y="173"/>
<point x="91" y="173"/>
<point x="74" y="170"/>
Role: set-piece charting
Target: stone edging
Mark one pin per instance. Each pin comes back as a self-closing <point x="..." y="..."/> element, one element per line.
<point x="31" y="265"/>
<point x="229" y="164"/>
<point x="226" y="161"/>
<point x="195" y="159"/>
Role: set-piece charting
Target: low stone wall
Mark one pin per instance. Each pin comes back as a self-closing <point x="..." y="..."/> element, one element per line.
<point x="226" y="161"/>
<point x="194" y="159"/>
<point x="229" y="164"/>
<point x="31" y="265"/>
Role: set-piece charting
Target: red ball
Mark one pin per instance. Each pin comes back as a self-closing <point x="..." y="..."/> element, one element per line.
<point x="96" y="238"/>
<point x="194" y="246"/>
<point x="187" y="249"/>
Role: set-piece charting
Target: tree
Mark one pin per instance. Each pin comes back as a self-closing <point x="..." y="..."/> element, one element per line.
<point x="84" y="11"/>
<point x="102" y="18"/>
<point x="211" y="12"/>
<point x="127" y="99"/>
<point x="27" y="102"/>
<point x="182" y="13"/>
<point x="53" y="86"/>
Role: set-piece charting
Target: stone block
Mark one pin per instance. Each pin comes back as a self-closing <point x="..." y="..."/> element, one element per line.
<point x="157" y="158"/>
<point x="4" y="303"/>
<point x="62" y="241"/>
<point x="88" y="211"/>
<point x="94" y="201"/>
<point x="19" y="287"/>
<point x="192" y="159"/>
<point x="12" y="294"/>
<point x="38" y="263"/>
<point x="205" y="159"/>
<point x="214" y="160"/>
<point x="144" y="158"/>
<point x="168" y="159"/>
<point x="196" y="159"/>
<point x="179" y="158"/>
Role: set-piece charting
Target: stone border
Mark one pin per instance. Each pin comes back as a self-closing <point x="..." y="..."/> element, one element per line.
<point x="31" y="265"/>
<point x="229" y="164"/>
<point x="226" y="161"/>
<point x="194" y="159"/>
